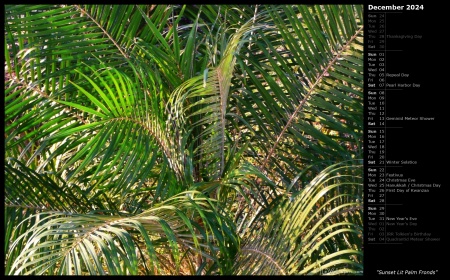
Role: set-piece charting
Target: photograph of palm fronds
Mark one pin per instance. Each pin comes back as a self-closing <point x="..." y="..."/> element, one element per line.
<point x="183" y="139"/>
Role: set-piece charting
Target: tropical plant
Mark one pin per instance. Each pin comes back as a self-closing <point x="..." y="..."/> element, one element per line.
<point x="177" y="139"/>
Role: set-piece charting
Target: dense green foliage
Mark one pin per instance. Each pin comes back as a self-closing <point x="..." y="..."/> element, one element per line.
<point x="153" y="139"/>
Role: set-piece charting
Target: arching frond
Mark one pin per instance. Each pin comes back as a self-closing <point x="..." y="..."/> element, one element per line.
<point x="68" y="243"/>
<point x="201" y="103"/>
<point x="316" y="231"/>
<point x="302" y="85"/>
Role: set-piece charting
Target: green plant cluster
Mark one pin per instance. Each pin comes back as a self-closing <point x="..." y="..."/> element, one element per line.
<point x="183" y="139"/>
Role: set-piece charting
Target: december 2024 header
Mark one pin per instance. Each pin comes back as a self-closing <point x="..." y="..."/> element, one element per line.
<point x="395" y="7"/>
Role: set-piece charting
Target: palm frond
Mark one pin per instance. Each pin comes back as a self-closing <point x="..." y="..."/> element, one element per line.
<point x="202" y="102"/>
<point x="315" y="231"/>
<point x="77" y="244"/>
<point x="27" y="194"/>
<point x="303" y="89"/>
<point x="48" y="42"/>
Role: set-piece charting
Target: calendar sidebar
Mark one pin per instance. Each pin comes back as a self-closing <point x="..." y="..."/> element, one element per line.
<point x="402" y="161"/>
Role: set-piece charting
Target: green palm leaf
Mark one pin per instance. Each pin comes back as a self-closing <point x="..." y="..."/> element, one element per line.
<point x="202" y="102"/>
<point x="306" y="82"/>
<point x="317" y="230"/>
<point x="69" y="243"/>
